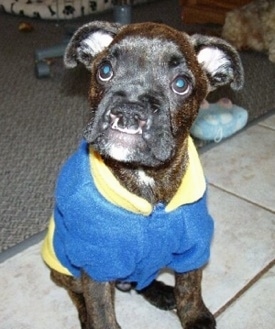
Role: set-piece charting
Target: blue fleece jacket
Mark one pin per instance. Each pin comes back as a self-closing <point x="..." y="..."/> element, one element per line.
<point x="112" y="243"/>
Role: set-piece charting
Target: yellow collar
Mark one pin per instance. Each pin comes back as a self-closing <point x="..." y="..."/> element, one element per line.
<point x="192" y="186"/>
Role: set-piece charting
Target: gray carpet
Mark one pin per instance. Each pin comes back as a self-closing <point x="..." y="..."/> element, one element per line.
<point x="42" y="120"/>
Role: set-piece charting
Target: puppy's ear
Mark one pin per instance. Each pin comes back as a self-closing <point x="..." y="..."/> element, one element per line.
<point x="220" y="61"/>
<point x="88" y="41"/>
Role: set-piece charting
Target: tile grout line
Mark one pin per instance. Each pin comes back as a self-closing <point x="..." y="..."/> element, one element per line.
<point x="255" y="279"/>
<point x="267" y="127"/>
<point x="242" y="198"/>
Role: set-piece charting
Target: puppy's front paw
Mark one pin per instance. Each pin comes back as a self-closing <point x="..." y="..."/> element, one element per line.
<point x="205" y="321"/>
<point x="160" y="295"/>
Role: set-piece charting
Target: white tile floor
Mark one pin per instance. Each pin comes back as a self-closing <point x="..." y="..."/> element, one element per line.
<point x="239" y="282"/>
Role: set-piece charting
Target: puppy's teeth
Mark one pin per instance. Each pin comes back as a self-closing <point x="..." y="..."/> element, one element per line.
<point x="148" y="124"/>
<point x="105" y="125"/>
<point x="107" y="114"/>
<point x="114" y="124"/>
<point x="146" y="135"/>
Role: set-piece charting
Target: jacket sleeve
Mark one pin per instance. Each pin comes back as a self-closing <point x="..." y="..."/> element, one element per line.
<point x="92" y="234"/>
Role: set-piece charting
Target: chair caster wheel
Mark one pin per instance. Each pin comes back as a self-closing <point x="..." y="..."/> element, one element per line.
<point x="42" y="69"/>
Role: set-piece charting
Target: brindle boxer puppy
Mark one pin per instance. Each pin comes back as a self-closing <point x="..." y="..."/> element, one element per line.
<point x="132" y="199"/>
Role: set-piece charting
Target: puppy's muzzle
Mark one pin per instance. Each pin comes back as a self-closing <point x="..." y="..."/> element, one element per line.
<point x="128" y="118"/>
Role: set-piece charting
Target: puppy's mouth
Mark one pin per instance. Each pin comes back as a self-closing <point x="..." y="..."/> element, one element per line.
<point x="127" y="120"/>
<point x="134" y="126"/>
<point x="132" y="132"/>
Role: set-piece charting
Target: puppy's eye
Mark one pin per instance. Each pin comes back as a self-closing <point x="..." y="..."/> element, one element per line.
<point x="105" y="72"/>
<point x="180" y="85"/>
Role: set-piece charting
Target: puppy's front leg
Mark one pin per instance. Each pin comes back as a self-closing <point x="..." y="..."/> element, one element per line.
<point x="99" y="298"/>
<point x="191" y="310"/>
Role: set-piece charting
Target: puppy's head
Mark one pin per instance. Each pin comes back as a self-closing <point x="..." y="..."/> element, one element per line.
<point x="148" y="81"/>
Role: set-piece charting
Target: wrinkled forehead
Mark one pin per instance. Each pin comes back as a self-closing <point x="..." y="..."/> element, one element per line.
<point x="147" y="50"/>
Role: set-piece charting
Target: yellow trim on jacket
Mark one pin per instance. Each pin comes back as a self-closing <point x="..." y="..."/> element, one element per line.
<point x="48" y="253"/>
<point x="191" y="189"/>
